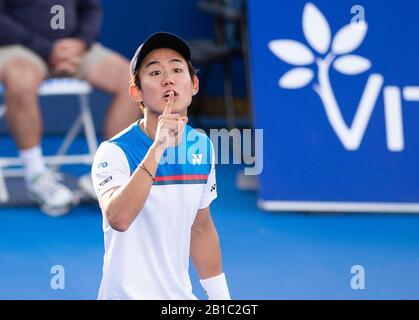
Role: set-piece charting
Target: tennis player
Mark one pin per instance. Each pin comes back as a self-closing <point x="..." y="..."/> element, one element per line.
<point x="156" y="214"/>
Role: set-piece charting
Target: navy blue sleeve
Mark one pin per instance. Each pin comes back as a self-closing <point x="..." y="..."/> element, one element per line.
<point x="89" y="20"/>
<point x="13" y="32"/>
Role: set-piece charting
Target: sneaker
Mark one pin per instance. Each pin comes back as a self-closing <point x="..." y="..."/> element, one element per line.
<point x="54" y="198"/>
<point x="86" y="185"/>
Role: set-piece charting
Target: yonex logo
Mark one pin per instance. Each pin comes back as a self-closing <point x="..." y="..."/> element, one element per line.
<point x="196" y="158"/>
<point x="336" y="52"/>
<point x="213" y="187"/>
<point x="106" y="181"/>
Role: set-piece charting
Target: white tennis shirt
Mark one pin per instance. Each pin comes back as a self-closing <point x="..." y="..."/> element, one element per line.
<point x="150" y="260"/>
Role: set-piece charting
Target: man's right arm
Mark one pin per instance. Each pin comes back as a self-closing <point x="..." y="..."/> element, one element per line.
<point x="16" y="33"/>
<point x="121" y="205"/>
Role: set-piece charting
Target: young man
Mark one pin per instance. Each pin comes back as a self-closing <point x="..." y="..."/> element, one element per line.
<point x="156" y="214"/>
<point x="32" y="50"/>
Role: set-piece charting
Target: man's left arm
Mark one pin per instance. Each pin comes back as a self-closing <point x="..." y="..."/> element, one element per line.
<point x="206" y="256"/>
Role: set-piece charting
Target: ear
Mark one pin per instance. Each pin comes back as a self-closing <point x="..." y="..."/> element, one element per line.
<point x="135" y="93"/>
<point x="195" y="85"/>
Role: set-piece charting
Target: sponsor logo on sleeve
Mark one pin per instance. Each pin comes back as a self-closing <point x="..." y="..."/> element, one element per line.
<point x="102" y="164"/>
<point x="104" y="182"/>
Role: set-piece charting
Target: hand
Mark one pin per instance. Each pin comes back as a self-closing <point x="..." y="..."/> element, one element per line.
<point x="67" y="67"/>
<point x="170" y="126"/>
<point x="65" y="49"/>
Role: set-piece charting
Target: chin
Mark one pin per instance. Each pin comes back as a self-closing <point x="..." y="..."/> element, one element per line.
<point x="180" y="110"/>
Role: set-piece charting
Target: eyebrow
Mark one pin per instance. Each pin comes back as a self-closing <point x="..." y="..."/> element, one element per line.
<point x="158" y="62"/>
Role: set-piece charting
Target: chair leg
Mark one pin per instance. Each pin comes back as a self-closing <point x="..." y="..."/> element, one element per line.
<point x="89" y="127"/>
<point x="4" y="195"/>
<point x="84" y="120"/>
<point x="229" y="97"/>
<point x="68" y="140"/>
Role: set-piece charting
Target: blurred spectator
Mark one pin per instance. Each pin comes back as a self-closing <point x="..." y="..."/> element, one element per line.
<point x="34" y="45"/>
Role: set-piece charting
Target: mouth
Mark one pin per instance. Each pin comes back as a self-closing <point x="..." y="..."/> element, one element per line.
<point x="167" y="93"/>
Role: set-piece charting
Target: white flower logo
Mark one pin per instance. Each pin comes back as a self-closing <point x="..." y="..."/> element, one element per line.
<point x="317" y="32"/>
<point x="336" y="53"/>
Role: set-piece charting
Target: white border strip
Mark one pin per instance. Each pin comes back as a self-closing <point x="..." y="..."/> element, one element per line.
<point x="316" y="206"/>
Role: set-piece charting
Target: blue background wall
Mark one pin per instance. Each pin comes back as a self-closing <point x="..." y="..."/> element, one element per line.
<point x="125" y="26"/>
<point x="306" y="160"/>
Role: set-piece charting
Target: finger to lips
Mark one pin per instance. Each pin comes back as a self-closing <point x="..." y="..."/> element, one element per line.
<point x="169" y="104"/>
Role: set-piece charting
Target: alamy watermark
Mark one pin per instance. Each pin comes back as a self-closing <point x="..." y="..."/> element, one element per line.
<point x="223" y="147"/>
<point x="358" y="280"/>
<point x="359" y="15"/>
<point x="57" y="281"/>
<point x="57" y="21"/>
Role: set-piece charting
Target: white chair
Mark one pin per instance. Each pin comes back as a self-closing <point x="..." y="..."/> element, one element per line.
<point x="12" y="166"/>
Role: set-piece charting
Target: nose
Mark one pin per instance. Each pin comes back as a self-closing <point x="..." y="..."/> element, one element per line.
<point x="168" y="79"/>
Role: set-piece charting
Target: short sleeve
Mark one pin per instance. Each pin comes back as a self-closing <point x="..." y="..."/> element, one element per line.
<point x="210" y="190"/>
<point x="110" y="168"/>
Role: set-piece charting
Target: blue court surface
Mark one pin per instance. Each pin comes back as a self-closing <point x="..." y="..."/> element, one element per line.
<point x="266" y="255"/>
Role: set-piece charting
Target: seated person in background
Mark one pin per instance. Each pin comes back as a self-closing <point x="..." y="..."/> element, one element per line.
<point x="31" y="50"/>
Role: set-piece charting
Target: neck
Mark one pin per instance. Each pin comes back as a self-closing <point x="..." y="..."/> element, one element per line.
<point x="150" y="123"/>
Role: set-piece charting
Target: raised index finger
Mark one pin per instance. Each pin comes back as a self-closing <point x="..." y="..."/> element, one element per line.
<point x="169" y="104"/>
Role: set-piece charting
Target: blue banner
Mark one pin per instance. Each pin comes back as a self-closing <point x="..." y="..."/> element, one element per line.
<point x="335" y="88"/>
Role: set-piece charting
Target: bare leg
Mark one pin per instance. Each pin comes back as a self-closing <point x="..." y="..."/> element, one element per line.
<point x="21" y="79"/>
<point x="112" y="75"/>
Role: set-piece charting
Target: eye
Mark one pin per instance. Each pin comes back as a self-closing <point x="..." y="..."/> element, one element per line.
<point x="155" y="73"/>
<point x="178" y="70"/>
